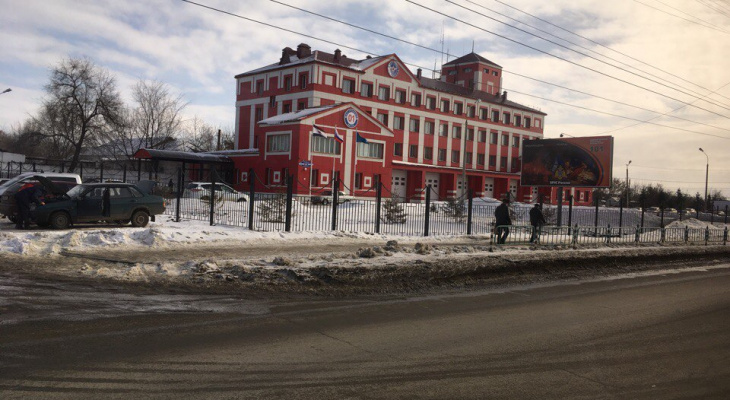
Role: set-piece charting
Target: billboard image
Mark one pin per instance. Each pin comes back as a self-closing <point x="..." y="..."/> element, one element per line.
<point x="574" y="162"/>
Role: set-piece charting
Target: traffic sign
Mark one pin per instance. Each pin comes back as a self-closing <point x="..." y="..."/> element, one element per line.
<point x="305" y="163"/>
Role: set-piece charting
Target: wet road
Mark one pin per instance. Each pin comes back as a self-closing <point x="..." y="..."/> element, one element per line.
<point x="655" y="336"/>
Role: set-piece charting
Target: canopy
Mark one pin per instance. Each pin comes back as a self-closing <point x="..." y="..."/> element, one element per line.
<point x="182" y="156"/>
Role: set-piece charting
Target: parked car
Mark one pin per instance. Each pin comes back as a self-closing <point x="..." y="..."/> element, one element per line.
<point x="54" y="188"/>
<point x="670" y="210"/>
<point x="30" y="176"/>
<point x="326" y="197"/>
<point x="100" y="202"/>
<point x="201" y="190"/>
<point x="654" y="210"/>
<point x="690" y="211"/>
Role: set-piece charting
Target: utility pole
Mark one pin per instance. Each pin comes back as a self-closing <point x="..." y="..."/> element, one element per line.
<point x="628" y="186"/>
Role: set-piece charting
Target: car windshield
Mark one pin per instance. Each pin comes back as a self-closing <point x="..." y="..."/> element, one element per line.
<point x="14" y="180"/>
<point x="76" y="191"/>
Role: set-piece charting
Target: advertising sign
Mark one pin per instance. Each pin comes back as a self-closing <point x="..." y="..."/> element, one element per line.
<point x="569" y="162"/>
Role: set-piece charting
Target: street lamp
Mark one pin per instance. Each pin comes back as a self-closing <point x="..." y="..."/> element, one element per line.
<point x="628" y="187"/>
<point x="6" y="90"/>
<point x="565" y="134"/>
<point x="707" y="175"/>
<point x="463" y="147"/>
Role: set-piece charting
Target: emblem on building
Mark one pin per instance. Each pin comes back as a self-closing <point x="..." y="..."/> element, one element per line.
<point x="393" y="68"/>
<point x="351" y="118"/>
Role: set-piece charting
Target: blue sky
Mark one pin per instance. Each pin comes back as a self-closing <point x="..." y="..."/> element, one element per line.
<point x="198" y="52"/>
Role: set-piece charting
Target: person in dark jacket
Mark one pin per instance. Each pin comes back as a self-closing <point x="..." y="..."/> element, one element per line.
<point x="503" y="221"/>
<point x="537" y="220"/>
<point x="24" y="198"/>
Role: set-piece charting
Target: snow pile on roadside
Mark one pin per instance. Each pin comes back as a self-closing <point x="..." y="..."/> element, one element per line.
<point x="693" y="223"/>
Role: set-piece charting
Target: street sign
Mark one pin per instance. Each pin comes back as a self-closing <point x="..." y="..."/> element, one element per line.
<point x="305" y="163"/>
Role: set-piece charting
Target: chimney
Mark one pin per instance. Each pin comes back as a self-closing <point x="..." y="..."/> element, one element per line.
<point x="285" y="56"/>
<point x="303" y="50"/>
<point x="338" y="53"/>
<point x="418" y="73"/>
<point x="504" y="96"/>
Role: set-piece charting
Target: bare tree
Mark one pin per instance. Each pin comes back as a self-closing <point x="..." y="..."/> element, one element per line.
<point x="199" y="136"/>
<point x="82" y="101"/>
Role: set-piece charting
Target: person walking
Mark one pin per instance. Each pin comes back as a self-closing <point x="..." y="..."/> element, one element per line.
<point x="502" y="221"/>
<point x="23" y="199"/>
<point x="537" y="220"/>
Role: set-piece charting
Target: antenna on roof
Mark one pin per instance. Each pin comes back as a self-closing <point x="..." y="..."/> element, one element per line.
<point x="433" y="71"/>
<point x="472" y="46"/>
<point x="442" y="44"/>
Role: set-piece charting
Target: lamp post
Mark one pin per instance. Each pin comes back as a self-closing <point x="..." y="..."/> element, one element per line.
<point x="628" y="187"/>
<point x="565" y="134"/>
<point x="463" y="149"/>
<point x="707" y="175"/>
<point x="6" y="90"/>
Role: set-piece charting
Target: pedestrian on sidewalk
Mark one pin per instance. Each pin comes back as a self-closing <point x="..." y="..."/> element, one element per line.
<point x="537" y="220"/>
<point x="502" y="221"/>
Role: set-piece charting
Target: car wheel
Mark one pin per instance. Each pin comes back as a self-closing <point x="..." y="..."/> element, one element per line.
<point x="241" y="200"/>
<point x="140" y="219"/>
<point x="325" y="202"/>
<point x="60" y="220"/>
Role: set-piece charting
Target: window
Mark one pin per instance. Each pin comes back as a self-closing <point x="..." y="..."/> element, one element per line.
<point x="287" y="108"/>
<point x="348" y="86"/>
<point x="480" y="159"/>
<point x="482" y="136"/>
<point x="303" y="81"/>
<point x="495" y="115"/>
<point x="415" y="125"/>
<point x="277" y="143"/>
<point x="470" y="110"/>
<point x="325" y="145"/>
<point x="358" y="180"/>
<point x="384" y="93"/>
<point x="259" y="87"/>
<point x="505" y="118"/>
<point x="492" y="161"/>
<point x="428" y="153"/>
<point x="259" y="114"/>
<point x="456" y="132"/>
<point x="255" y="141"/>
<point x="537" y="123"/>
<point x="493" y="137"/>
<point x="398" y="149"/>
<point x="120" y="193"/>
<point x="302" y="105"/>
<point x="467" y="69"/>
<point x="486" y="70"/>
<point x="400" y="96"/>
<point x="366" y="89"/>
<point x="515" y="141"/>
<point x="515" y="167"/>
<point x="455" y="156"/>
<point x="470" y="134"/>
<point x="495" y="73"/>
<point x="398" y="122"/>
<point x="370" y="150"/>
<point x="458" y="108"/>
<point x="527" y="122"/>
<point x="413" y="151"/>
<point x="416" y="99"/>
<point x="503" y="163"/>
<point x="505" y="140"/>
<point x="445" y="106"/>
<point x="287" y="83"/>
<point x="444" y="130"/>
<point x="468" y="158"/>
<point x="315" y="177"/>
<point x="442" y="154"/>
<point x="518" y="120"/>
<point x="383" y="118"/>
<point x="431" y="103"/>
<point x="272" y="101"/>
<point x="452" y="72"/>
<point x="483" y="113"/>
<point x="428" y="127"/>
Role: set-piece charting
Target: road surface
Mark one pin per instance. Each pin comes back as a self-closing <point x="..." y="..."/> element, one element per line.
<point x="659" y="336"/>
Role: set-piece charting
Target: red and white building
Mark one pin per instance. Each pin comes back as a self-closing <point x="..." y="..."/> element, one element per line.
<point x="419" y="131"/>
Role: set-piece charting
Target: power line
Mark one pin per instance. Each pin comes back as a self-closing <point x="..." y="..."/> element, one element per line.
<point x="617" y="115"/>
<point x="708" y="25"/>
<point x="562" y="59"/>
<point x="602" y="45"/>
<point x="594" y="58"/>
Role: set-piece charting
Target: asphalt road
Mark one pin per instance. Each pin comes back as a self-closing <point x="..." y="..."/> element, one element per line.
<point x="655" y="337"/>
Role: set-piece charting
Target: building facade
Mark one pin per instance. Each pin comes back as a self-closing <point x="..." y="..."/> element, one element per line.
<point x="405" y="129"/>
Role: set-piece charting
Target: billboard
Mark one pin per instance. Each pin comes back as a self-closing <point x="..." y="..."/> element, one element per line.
<point x="571" y="162"/>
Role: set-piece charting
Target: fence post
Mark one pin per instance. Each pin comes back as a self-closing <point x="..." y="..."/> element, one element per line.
<point x="470" y="202"/>
<point x="251" y="197"/>
<point x="378" y="201"/>
<point x="596" y="222"/>
<point x="636" y="235"/>
<point x="212" y="197"/>
<point x="570" y="213"/>
<point x="560" y="206"/>
<point x="101" y="171"/>
<point x="34" y="170"/>
<point x="663" y="235"/>
<point x="686" y="234"/>
<point x="642" y="216"/>
<point x="576" y="232"/>
<point x="726" y="214"/>
<point x="335" y="199"/>
<point x="139" y="169"/>
<point x="662" y="224"/>
<point x="707" y="235"/>
<point x="81" y="171"/>
<point x="289" y="197"/>
<point x="427" y="217"/>
<point x="608" y="234"/>
<point x="620" y="215"/>
<point x="724" y="237"/>
<point x="178" y="195"/>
